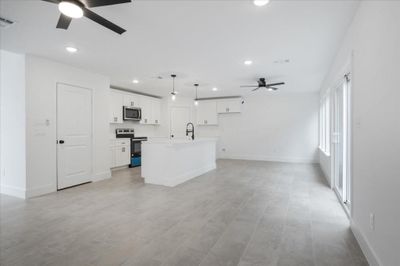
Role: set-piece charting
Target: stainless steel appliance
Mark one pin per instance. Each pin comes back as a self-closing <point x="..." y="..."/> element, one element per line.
<point x="132" y="113"/>
<point x="136" y="144"/>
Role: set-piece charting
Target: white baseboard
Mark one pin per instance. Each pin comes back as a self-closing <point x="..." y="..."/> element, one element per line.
<point x="41" y="190"/>
<point x="13" y="191"/>
<point x="268" y="158"/>
<point x="101" y="176"/>
<point x="366" y="248"/>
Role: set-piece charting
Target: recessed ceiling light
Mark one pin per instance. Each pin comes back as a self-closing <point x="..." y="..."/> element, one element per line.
<point x="248" y="62"/>
<point x="260" y="2"/>
<point x="70" y="9"/>
<point x="214" y="89"/>
<point x="135" y="81"/>
<point x="71" y="49"/>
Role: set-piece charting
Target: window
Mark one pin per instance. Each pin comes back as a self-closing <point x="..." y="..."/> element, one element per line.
<point x="324" y="125"/>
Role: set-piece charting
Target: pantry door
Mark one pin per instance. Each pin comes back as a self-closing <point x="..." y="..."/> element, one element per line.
<point x="74" y="135"/>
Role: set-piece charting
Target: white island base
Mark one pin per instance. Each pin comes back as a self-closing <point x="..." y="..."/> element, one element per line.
<point x="172" y="162"/>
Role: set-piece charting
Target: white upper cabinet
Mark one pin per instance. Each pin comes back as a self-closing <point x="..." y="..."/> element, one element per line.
<point x="116" y="103"/>
<point x="229" y="106"/>
<point x="151" y="107"/>
<point x="147" y="112"/>
<point x="207" y="113"/>
<point x="132" y="100"/>
<point x="156" y="108"/>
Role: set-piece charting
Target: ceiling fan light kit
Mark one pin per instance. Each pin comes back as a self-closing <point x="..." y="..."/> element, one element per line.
<point x="72" y="9"/>
<point x="262" y="84"/>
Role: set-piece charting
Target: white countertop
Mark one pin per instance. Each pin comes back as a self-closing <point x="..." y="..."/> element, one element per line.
<point x="177" y="141"/>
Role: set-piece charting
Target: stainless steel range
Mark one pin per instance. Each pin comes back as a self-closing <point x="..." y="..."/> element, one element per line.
<point x="136" y="144"/>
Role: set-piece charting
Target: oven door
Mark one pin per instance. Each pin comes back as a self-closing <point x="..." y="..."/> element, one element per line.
<point x="136" y="147"/>
<point x="132" y="113"/>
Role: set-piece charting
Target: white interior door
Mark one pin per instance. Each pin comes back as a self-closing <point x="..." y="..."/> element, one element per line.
<point x="180" y="116"/>
<point x="74" y="135"/>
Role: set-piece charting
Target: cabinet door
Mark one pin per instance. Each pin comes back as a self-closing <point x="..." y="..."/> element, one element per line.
<point x="229" y="106"/>
<point x="122" y="155"/>
<point x="156" y="109"/>
<point x="147" y="110"/>
<point x="207" y="113"/>
<point x="116" y="103"/>
<point x="132" y="100"/>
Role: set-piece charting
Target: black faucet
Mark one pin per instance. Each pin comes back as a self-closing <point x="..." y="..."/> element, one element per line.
<point x="190" y="131"/>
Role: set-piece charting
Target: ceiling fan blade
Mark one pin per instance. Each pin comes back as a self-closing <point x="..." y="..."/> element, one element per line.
<point x="248" y="86"/>
<point x="52" y="1"/>
<point x="275" y="84"/>
<point x="273" y="88"/>
<point x="95" y="3"/>
<point x="63" y="22"/>
<point x="102" y="21"/>
<point x="255" y="89"/>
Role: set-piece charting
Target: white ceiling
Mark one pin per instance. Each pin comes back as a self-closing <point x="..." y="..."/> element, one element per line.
<point x="201" y="41"/>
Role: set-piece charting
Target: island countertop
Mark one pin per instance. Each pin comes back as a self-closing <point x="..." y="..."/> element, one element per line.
<point x="177" y="141"/>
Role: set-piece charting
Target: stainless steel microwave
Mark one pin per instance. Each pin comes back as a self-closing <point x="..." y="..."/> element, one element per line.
<point x="132" y="113"/>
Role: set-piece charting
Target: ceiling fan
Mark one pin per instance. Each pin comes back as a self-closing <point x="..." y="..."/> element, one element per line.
<point x="77" y="8"/>
<point x="262" y="84"/>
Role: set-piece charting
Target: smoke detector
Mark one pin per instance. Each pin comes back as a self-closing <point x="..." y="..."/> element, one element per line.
<point x="5" y="23"/>
<point x="282" y="61"/>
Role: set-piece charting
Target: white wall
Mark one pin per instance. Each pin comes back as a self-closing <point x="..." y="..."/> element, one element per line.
<point x="41" y="78"/>
<point x="12" y="124"/>
<point x="272" y="127"/>
<point x="374" y="40"/>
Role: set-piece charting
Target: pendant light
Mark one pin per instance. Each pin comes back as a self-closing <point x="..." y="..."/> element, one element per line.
<point x="196" y="102"/>
<point x="173" y="93"/>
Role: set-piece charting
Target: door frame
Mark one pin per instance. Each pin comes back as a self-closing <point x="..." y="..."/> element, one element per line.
<point x="189" y="108"/>
<point x="91" y="130"/>
<point x="346" y="82"/>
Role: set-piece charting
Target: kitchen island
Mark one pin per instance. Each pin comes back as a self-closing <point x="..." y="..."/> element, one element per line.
<point x="171" y="162"/>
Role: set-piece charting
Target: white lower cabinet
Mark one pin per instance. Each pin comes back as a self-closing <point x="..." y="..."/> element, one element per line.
<point x="120" y="152"/>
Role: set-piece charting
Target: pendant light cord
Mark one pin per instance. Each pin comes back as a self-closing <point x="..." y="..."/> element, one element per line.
<point x="173" y="83"/>
<point x="196" y="85"/>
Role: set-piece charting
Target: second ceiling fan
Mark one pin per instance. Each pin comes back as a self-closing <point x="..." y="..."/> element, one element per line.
<point x="76" y="9"/>
<point x="262" y="84"/>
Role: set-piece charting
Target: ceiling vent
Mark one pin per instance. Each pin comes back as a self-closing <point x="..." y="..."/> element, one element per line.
<point x="5" y="23"/>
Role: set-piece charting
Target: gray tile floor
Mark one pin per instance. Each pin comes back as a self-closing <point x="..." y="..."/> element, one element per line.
<point x="243" y="213"/>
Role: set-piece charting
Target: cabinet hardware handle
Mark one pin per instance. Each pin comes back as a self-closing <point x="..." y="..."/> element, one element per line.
<point x="61" y="141"/>
<point x="115" y="119"/>
<point x="132" y="104"/>
<point x="123" y="149"/>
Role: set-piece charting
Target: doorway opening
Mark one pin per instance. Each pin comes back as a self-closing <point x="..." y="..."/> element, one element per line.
<point x="179" y="116"/>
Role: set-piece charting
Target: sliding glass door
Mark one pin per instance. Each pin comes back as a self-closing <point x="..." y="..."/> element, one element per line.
<point x="340" y="141"/>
